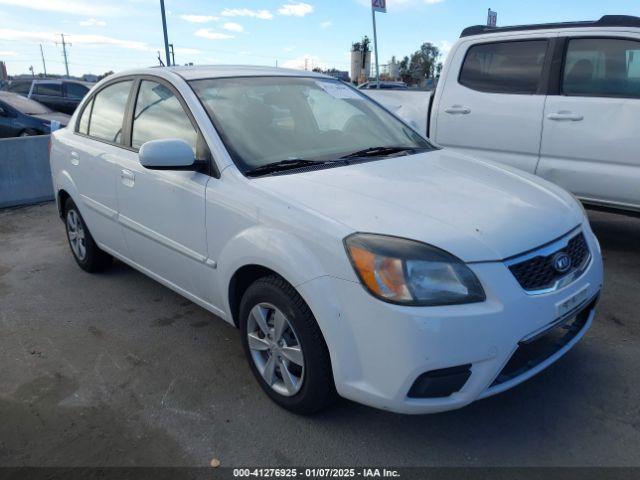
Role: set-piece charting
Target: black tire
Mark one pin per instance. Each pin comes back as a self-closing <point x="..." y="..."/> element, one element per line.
<point x="318" y="390"/>
<point x="94" y="260"/>
<point x="28" y="133"/>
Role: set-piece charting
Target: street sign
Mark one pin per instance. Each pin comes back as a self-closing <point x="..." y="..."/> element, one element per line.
<point x="379" y="5"/>
<point x="492" y="18"/>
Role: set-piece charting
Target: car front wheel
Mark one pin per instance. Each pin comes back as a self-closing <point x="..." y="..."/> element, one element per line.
<point x="285" y="347"/>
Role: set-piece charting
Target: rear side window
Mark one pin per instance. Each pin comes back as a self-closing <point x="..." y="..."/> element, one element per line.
<point x="108" y="112"/>
<point x="601" y="67"/>
<point x="159" y="115"/>
<point x="75" y="90"/>
<point x="505" y="67"/>
<point x="83" y="127"/>
<point x="51" y="89"/>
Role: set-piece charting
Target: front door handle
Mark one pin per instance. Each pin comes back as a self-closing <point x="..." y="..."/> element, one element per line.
<point x="458" y="110"/>
<point x="128" y="177"/>
<point x="564" y="116"/>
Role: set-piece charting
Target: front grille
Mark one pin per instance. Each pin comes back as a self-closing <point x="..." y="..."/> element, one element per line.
<point x="539" y="273"/>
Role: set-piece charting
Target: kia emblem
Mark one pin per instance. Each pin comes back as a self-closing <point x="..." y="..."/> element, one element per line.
<point x="561" y="262"/>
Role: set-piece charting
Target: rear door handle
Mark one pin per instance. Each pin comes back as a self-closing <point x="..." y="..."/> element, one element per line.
<point x="75" y="158"/>
<point x="128" y="177"/>
<point x="564" y="116"/>
<point x="458" y="110"/>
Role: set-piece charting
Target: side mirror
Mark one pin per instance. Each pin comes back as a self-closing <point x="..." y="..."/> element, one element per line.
<point x="169" y="154"/>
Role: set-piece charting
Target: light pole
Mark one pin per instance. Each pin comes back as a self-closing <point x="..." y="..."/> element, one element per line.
<point x="166" y="38"/>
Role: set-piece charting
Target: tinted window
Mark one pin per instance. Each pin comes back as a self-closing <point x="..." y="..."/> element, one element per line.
<point x="108" y="112"/>
<point x="602" y="67"/>
<point x="53" y="89"/>
<point x="83" y="127"/>
<point x="75" y="90"/>
<point x="159" y="115"/>
<point x="20" y="87"/>
<point x="507" y="67"/>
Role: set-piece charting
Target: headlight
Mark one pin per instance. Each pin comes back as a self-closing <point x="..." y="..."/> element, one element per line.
<point x="407" y="272"/>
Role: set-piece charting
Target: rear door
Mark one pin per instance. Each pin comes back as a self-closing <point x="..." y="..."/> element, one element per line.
<point x="491" y="99"/>
<point x="162" y="212"/>
<point x="591" y="139"/>
<point x="48" y="93"/>
<point x="94" y="154"/>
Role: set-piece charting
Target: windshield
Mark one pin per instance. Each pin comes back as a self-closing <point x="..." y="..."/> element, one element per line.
<point x="272" y="119"/>
<point x="25" y="105"/>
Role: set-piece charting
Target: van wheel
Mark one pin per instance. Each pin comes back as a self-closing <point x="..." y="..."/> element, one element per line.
<point x="85" y="251"/>
<point x="285" y="348"/>
<point x="28" y="133"/>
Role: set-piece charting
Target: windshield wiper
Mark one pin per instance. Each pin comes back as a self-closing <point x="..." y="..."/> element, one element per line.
<point x="282" y="165"/>
<point x="381" y="151"/>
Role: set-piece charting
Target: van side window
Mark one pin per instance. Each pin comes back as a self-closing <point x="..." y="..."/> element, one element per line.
<point x="505" y="67"/>
<point x="108" y="112"/>
<point x="602" y="67"/>
<point x="75" y="90"/>
<point x="50" y="89"/>
<point x="159" y="115"/>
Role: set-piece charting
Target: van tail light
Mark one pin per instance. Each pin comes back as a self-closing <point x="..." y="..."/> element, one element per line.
<point x="50" y="144"/>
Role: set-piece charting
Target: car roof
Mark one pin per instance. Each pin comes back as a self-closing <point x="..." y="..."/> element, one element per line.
<point x="221" y="71"/>
<point x="605" y="21"/>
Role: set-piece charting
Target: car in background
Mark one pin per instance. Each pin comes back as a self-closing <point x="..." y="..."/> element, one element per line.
<point x="384" y="86"/>
<point x="61" y="95"/>
<point x="23" y="117"/>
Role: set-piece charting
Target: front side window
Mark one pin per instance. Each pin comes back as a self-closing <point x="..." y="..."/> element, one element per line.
<point x="75" y="90"/>
<point x="505" y="67"/>
<point x="602" y="67"/>
<point x="159" y="115"/>
<point x="108" y="112"/>
<point x="270" y="119"/>
<point x="50" y="89"/>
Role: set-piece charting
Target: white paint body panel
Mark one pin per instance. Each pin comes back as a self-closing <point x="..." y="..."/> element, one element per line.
<point x="192" y="232"/>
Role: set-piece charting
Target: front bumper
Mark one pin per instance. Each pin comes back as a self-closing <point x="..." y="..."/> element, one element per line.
<point x="378" y="350"/>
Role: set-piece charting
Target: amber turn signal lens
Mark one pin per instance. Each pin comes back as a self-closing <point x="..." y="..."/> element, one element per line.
<point x="384" y="276"/>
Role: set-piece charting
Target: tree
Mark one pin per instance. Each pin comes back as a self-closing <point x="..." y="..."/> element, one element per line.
<point x="423" y="63"/>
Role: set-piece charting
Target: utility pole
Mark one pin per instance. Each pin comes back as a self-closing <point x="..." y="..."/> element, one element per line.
<point x="164" y="29"/>
<point x="64" y="54"/>
<point x="173" y="56"/>
<point x="160" y="59"/>
<point x="375" y="45"/>
<point x="44" y="65"/>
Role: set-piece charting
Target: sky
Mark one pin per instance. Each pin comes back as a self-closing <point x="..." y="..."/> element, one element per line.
<point x="122" y="34"/>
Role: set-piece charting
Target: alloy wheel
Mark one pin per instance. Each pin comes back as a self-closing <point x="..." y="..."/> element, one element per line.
<point x="275" y="349"/>
<point x="76" y="234"/>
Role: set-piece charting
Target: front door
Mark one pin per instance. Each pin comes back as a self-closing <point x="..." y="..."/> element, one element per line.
<point x="162" y="212"/>
<point x="493" y="109"/>
<point x="591" y="133"/>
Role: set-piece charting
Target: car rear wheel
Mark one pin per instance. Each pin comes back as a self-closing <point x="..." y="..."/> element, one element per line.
<point x="85" y="251"/>
<point x="285" y="347"/>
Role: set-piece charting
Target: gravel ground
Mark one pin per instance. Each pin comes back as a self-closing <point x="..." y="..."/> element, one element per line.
<point x="116" y="370"/>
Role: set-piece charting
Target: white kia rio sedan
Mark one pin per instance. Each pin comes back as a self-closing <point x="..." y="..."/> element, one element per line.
<point x="356" y="258"/>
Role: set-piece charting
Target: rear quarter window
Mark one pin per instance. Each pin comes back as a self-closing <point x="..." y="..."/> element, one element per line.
<point x="505" y="67"/>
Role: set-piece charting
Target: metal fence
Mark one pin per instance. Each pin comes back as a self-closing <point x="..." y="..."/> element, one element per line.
<point x="25" y="173"/>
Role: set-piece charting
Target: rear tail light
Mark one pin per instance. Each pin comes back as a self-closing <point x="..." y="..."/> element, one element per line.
<point x="50" y="144"/>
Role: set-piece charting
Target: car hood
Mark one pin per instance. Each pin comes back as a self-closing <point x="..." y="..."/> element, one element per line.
<point x="475" y="210"/>
<point x="60" y="117"/>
